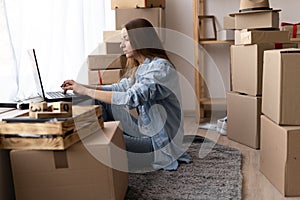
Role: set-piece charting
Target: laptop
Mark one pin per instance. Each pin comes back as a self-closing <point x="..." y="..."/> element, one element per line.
<point x="48" y="96"/>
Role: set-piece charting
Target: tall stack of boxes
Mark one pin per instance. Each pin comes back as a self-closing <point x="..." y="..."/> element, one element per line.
<point x="280" y="122"/>
<point x="255" y="32"/>
<point x="106" y="64"/>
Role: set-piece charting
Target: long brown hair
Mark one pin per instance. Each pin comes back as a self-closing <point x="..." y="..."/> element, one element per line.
<point x="144" y="41"/>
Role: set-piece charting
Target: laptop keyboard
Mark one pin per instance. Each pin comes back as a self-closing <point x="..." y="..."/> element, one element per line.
<point x="59" y="94"/>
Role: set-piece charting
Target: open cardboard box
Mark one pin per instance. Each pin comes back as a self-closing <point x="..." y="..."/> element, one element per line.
<point x="87" y="170"/>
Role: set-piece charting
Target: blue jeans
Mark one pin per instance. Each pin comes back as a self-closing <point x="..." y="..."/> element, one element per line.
<point x="135" y="142"/>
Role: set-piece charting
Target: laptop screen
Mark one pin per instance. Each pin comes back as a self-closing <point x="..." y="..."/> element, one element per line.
<point x="36" y="73"/>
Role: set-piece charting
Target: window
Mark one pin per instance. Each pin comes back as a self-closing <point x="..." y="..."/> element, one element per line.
<point x="63" y="32"/>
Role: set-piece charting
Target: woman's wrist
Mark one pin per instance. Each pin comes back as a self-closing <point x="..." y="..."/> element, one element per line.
<point x="97" y="87"/>
<point x="90" y="92"/>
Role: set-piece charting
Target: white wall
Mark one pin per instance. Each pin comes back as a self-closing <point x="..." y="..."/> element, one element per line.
<point x="179" y="18"/>
<point x="219" y="53"/>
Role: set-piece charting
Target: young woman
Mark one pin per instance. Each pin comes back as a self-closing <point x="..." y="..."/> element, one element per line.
<point x="154" y="137"/>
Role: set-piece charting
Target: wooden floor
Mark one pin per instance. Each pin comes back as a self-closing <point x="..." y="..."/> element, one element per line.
<point x="255" y="185"/>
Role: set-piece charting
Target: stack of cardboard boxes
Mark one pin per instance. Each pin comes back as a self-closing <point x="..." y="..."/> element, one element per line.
<point x="255" y="32"/>
<point x="263" y="106"/>
<point x="280" y="122"/>
<point x="106" y="64"/>
<point x="105" y="69"/>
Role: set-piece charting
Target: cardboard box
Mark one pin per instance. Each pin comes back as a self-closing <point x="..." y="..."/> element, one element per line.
<point x="112" y="41"/>
<point x="6" y="179"/>
<point x="225" y="35"/>
<point x="112" y="36"/>
<point x="243" y="119"/>
<point x="280" y="156"/>
<point x="255" y="20"/>
<point x="155" y="15"/>
<point x="104" y="77"/>
<point x="281" y="86"/>
<point x="229" y="23"/>
<point x="293" y="29"/>
<point x="106" y="61"/>
<point x="87" y="170"/>
<point x="112" y="48"/>
<point x="107" y="48"/>
<point x="247" y="66"/>
<point x="258" y="36"/>
<point x="137" y="3"/>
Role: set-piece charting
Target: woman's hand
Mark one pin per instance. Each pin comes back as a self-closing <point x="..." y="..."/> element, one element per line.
<point x="73" y="85"/>
<point x="104" y="96"/>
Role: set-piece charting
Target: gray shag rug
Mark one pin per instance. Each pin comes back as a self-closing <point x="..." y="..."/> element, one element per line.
<point x="216" y="176"/>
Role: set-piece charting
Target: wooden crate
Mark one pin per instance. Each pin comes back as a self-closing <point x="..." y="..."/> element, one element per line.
<point x="57" y="135"/>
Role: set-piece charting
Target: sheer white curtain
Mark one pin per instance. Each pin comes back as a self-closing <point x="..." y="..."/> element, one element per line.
<point x="63" y="32"/>
<point x="8" y="79"/>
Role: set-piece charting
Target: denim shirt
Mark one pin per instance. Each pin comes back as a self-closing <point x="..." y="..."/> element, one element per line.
<point x="155" y="94"/>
